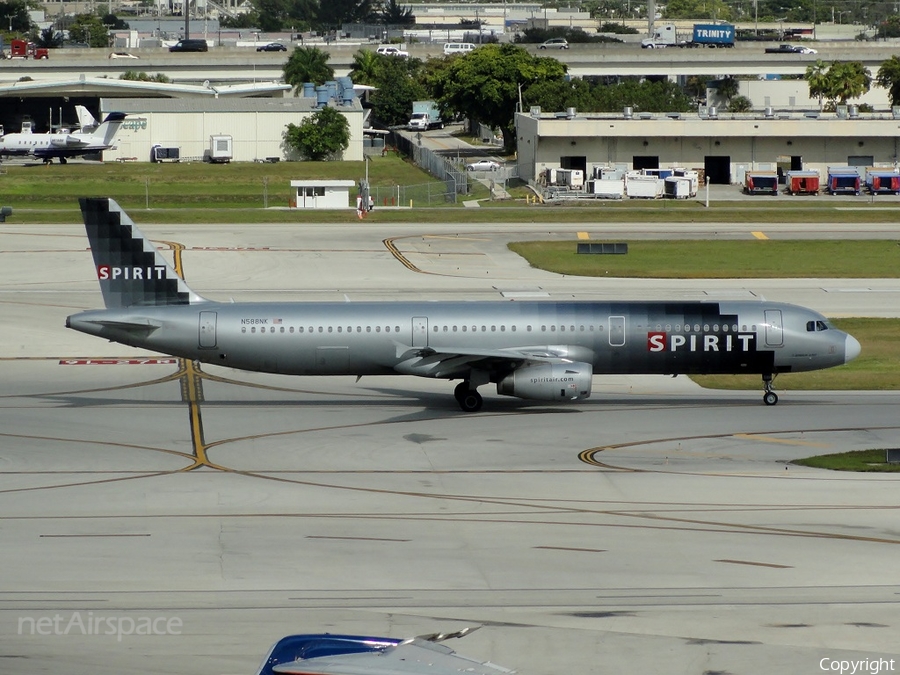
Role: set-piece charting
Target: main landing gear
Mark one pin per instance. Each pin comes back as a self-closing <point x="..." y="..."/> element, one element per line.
<point x="769" y="397"/>
<point x="468" y="397"/>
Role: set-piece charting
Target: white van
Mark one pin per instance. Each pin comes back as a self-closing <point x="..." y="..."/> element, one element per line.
<point x="458" y="48"/>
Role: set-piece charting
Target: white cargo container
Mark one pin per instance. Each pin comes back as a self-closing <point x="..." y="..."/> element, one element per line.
<point x="608" y="189"/>
<point x="638" y="186"/>
<point x="221" y="148"/>
<point x="678" y="187"/>
<point x="690" y="175"/>
<point x="573" y="178"/>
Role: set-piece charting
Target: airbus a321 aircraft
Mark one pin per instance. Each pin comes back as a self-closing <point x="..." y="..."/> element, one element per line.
<point x="545" y="351"/>
<point x="333" y="654"/>
<point x="61" y="146"/>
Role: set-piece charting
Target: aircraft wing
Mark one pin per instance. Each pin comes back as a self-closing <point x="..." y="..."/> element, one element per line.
<point x="417" y="656"/>
<point x="452" y="362"/>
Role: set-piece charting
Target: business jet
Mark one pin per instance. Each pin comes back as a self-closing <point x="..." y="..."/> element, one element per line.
<point x="542" y="350"/>
<point x="86" y="122"/>
<point x="63" y="145"/>
<point x="335" y="654"/>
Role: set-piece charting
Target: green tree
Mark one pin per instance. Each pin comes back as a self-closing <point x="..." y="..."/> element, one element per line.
<point x="88" y="28"/>
<point x="697" y="9"/>
<point x="320" y="136"/>
<point x="14" y="14"/>
<point x="113" y="22"/>
<point x="366" y="66"/>
<point x="817" y="78"/>
<point x="484" y="84"/>
<point x="143" y="77"/>
<point x="245" y="20"/>
<point x="728" y="88"/>
<point x="272" y="14"/>
<point x="842" y="81"/>
<point x="850" y="79"/>
<point x="399" y="83"/>
<point x="740" y="104"/>
<point x="49" y="38"/>
<point x="890" y="27"/>
<point x="335" y="13"/>
<point x="695" y="86"/>
<point x="307" y="64"/>
<point x="888" y="77"/>
<point x="394" y="14"/>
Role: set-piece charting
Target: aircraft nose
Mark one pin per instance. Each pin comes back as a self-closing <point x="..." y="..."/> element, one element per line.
<point x="851" y="348"/>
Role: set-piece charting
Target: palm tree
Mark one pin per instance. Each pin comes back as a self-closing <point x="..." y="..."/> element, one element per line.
<point x="49" y="38"/>
<point x="817" y="78"/>
<point x="740" y="104"/>
<point x="727" y="88"/>
<point x="888" y="77"/>
<point x="366" y="66"/>
<point x="851" y="79"/>
<point x="307" y="64"/>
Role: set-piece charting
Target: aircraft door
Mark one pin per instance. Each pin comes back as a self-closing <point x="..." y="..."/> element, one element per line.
<point x="420" y="331"/>
<point x="207" y="330"/>
<point x="774" y="328"/>
<point x="617" y="331"/>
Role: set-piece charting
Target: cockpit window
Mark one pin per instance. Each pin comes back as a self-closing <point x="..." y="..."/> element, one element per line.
<point x="813" y="326"/>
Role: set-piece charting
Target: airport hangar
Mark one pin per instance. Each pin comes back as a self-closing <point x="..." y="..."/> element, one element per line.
<point x="184" y="116"/>
<point x="724" y="145"/>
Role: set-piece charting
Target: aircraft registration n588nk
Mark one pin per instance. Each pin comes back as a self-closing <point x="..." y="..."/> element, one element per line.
<point x="542" y="350"/>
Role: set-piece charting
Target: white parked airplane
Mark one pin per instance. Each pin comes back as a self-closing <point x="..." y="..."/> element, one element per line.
<point x="86" y="122"/>
<point x="543" y="351"/>
<point x="63" y="145"/>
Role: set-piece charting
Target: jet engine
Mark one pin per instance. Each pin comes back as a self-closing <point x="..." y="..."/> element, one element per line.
<point x="549" y="382"/>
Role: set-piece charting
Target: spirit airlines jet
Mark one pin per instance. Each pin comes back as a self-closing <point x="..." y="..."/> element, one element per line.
<point x="545" y="351"/>
<point x="335" y="654"/>
<point x="63" y="145"/>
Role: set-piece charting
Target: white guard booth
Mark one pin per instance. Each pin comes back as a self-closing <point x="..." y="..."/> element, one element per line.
<point x="321" y="194"/>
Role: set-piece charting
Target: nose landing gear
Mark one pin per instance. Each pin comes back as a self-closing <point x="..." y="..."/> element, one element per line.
<point x="769" y="397"/>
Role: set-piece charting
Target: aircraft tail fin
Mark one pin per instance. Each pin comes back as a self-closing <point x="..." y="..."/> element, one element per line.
<point x="86" y="121"/>
<point x="130" y="269"/>
<point x="106" y="132"/>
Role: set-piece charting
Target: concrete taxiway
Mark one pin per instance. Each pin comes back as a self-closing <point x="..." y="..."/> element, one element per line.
<point x="655" y="527"/>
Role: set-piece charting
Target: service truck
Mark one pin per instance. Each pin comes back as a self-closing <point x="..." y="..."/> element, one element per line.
<point x="703" y="35"/>
<point x="425" y="116"/>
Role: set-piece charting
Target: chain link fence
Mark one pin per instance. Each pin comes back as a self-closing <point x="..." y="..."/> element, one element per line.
<point x="424" y="194"/>
<point x="455" y="181"/>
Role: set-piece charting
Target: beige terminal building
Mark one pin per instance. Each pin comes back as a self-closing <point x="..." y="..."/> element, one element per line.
<point x="724" y="145"/>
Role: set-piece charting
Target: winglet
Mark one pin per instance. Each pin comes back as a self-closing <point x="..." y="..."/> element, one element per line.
<point x="130" y="269"/>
